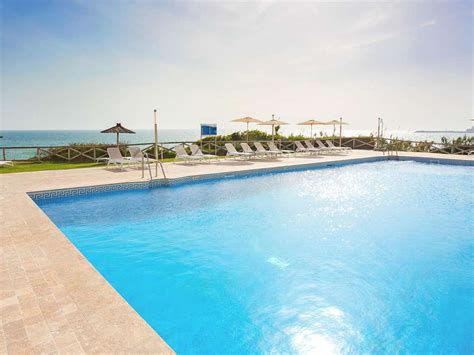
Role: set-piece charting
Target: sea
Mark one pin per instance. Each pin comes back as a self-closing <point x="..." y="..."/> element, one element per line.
<point x="47" y="138"/>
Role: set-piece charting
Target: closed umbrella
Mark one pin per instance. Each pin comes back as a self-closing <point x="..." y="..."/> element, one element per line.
<point x="117" y="129"/>
<point x="273" y="122"/>
<point x="311" y="123"/>
<point x="247" y="120"/>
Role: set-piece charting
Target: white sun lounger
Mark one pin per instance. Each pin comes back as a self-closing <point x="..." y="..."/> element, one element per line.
<point x="137" y="156"/>
<point x="6" y="163"/>
<point x="300" y="148"/>
<point x="232" y="152"/>
<point x="332" y="146"/>
<point x="274" y="148"/>
<point x="312" y="147"/>
<point x="246" y="148"/>
<point x="182" y="155"/>
<point x="116" y="158"/>
<point x="326" y="148"/>
<point x="197" y="152"/>
<point x="261" y="150"/>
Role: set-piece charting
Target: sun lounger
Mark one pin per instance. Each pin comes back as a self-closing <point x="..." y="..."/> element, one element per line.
<point x="116" y="158"/>
<point x="328" y="149"/>
<point x="312" y="147"/>
<point x="232" y="152"/>
<point x="6" y="163"/>
<point x="273" y="147"/>
<point x="300" y="148"/>
<point x="261" y="150"/>
<point x="246" y="148"/>
<point x="197" y="152"/>
<point x="182" y="155"/>
<point x="332" y="146"/>
<point x="138" y="157"/>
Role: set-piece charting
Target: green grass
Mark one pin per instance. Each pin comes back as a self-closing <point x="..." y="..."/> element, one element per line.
<point x="23" y="167"/>
<point x="30" y="166"/>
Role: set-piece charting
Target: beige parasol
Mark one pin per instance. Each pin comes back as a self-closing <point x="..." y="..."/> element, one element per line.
<point x="311" y="123"/>
<point x="273" y="122"/>
<point x="247" y="120"/>
<point x="340" y="123"/>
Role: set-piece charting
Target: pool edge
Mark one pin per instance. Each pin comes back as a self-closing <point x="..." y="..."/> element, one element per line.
<point x="154" y="183"/>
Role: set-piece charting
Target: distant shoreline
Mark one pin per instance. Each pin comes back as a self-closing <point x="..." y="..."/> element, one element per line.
<point x="422" y="131"/>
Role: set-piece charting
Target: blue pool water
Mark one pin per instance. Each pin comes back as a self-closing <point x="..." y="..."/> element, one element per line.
<point x="368" y="258"/>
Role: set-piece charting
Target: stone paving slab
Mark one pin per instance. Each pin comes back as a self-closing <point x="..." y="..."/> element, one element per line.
<point x="52" y="300"/>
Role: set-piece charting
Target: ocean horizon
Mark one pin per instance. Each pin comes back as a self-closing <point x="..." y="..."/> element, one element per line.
<point x="44" y="138"/>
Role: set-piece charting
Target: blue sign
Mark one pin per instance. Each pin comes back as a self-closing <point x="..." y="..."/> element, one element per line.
<point x="208" y="129"/>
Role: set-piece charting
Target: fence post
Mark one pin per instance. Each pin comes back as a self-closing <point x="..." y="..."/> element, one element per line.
<point x="4" y="154"/>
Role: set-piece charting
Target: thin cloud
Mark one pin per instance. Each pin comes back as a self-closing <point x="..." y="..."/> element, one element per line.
<point x="376" y="39"/>
<point x="370" y="20"/>
<point x="427" y="23"/>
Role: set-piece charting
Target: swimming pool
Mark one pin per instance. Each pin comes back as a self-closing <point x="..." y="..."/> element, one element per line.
<point x="374" y="257"/>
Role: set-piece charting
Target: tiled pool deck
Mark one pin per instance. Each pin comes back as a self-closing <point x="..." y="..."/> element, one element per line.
<point x="52" y="299"/>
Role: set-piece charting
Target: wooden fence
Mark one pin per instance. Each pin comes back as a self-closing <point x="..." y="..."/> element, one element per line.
<point x="166" y="149"/>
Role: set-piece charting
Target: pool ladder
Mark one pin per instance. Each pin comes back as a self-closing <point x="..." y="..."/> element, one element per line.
<point x="145" y="156"/>
<point x="391" y="152"/>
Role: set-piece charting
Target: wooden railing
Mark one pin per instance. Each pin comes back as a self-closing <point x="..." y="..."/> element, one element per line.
<point x="96" y="152"/>
<point x="74" y="152"/>
<point x="427" y="146"/>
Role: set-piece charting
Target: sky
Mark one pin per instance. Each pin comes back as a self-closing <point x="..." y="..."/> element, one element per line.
<point x="88" y="64"/>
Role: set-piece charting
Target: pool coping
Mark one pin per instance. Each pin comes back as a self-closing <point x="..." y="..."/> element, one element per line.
<point x="52" y="299"/>
<point x="154" y="183"/>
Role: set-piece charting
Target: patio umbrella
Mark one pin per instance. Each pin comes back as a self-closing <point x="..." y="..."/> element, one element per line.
<point x="340" y="123"/>
<point x="311" y="123"/>
<point x="247" y="120"/>
<point x="118" y="128"/>
<point x="273" y="122"/>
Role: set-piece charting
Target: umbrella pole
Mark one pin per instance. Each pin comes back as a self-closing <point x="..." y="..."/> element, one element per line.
<point x="117" y="139"/>
<point x="156" y="142"/>
<point x="340" y="132"/>
<point x="247" y="132"/>
<point x="273" y="128"/>
<point x="311" y="131"/>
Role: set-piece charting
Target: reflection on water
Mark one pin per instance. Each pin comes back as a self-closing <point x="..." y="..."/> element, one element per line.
<point x="278" y="262"/>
